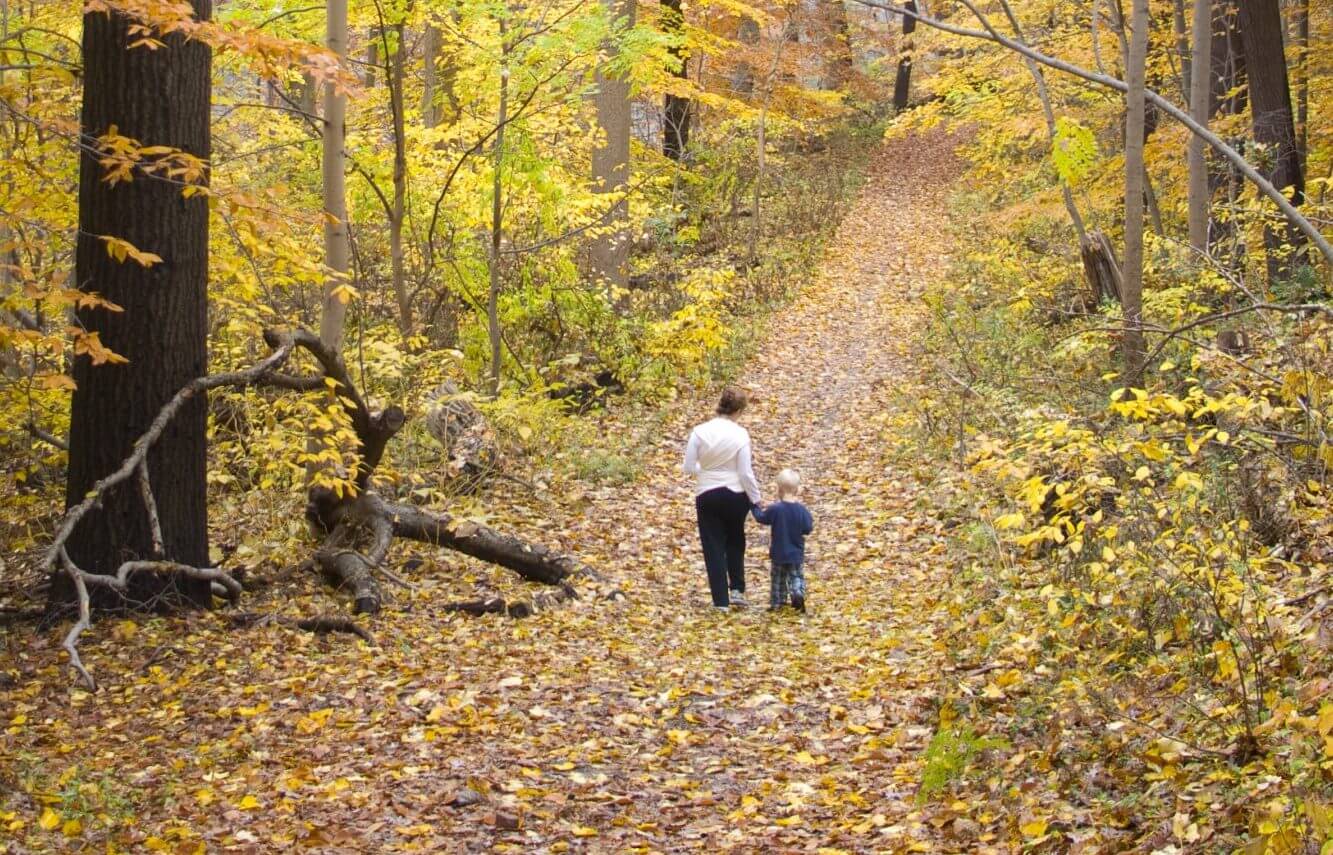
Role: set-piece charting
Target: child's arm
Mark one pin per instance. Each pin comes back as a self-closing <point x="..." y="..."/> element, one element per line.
<point x="763" y="514"/>
<point x="808" y="523"/>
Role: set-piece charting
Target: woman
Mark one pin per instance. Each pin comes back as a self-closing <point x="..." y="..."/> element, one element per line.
<point x="718" y="455"/>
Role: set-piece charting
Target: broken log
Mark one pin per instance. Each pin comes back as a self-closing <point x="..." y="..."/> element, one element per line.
<point x="1101" y="268"/>
<point x="532" y="561"/>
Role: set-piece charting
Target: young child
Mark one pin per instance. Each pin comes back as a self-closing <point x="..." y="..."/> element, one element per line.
<point x="791" y="522"/>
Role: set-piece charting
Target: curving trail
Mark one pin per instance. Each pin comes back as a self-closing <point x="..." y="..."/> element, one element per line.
<point x="649" y="724"/>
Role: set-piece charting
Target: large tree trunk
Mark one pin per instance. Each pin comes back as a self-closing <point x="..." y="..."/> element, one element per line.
<point x="902" y="85"/>
<point x="675" y="108"/>
<point x="1274" y="127"/>
<point x="159" y="98"/>
<point x="337" y="250"/>
<point x="1132" y="349"/>
<point x="1200" y="197"/>
<point x="609" y="252"/>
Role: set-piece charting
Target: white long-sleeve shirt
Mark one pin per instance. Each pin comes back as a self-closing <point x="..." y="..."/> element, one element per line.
<point x="718" y="455"/>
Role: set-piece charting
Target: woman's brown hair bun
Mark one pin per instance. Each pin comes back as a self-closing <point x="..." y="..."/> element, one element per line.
<point x="733" y="400"/>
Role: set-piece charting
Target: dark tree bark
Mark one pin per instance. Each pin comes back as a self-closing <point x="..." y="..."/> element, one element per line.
<point x="1227" y="60"/>
<point x="1273" y="124"/>
<point x="1227" y="97"/>
<point x="158" y="97"/>
<point x="676" y="109"/>
<point x="902" y="85"/>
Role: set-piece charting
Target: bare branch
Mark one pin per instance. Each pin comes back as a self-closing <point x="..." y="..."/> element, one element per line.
<point x="150" y="505"/>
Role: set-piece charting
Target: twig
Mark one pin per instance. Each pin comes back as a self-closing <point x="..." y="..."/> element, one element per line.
<point x="46" y="436"/>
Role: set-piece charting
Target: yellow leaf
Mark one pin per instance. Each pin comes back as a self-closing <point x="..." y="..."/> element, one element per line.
<point x="72" y="828"/>
<point x="249" y="803"/>
<point x="1036" y="828"/>
<point x="584" y="831"/>
<point x="788" y="821"/>
<point x="50" y="820"/>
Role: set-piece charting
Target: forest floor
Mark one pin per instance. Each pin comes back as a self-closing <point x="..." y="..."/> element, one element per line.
<point x="650" y="722"/>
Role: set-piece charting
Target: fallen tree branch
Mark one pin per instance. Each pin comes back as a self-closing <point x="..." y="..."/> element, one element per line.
<point x="57" y="557"/>
<point x="533" y="562"/>
<point x="349" y="521"/>
<point x="320" y="624"/>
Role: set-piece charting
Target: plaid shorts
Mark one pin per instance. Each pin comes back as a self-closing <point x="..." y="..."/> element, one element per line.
<point x="784" y="582"/>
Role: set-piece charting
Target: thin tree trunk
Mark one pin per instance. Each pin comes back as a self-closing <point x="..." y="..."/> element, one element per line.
<point x="1044" y="95"/>
<point x="675" y="108"/>
<point x="396" y="98"/>
<point x="1302" y="44"/>
<point x="430" y="111"/>
<point x="159" y="97"/>
<point x="372" y="60"/>
<point x="1273" y="124"/>
<point x="1147" y="126"/>
<point x="902" y="84"/>
<point x="742" y="82"/>
<point x="1200" y="197"/>
<point x="609" y="251"/>
<point x="497" y="216"/>
<point x="1227" y="95"/>
<point x="1228" y="54"/>
<point x="1132" y="348"/>
<point x="337" y="250"/>
<point x="761" y="144"/>
<point x="1182" y="47"/>
<point x="839" y="62"/>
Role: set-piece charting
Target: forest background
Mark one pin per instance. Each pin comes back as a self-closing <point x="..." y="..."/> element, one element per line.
<point x="538" y="214"/>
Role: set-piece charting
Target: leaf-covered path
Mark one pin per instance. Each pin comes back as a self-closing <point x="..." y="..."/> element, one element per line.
<point x="651" y="722"/>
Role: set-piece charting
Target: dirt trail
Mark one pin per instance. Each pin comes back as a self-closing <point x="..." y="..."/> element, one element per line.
<point x="649" y="724"/>
<point x="802" y="732"/>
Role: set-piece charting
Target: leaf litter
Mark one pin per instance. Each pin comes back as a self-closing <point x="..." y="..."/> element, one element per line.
<point x="646" y="723"/>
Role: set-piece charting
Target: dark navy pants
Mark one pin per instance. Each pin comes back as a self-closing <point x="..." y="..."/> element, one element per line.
<point x="722" y="515"/>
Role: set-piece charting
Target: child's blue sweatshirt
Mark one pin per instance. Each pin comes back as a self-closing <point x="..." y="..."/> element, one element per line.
<point x="791" y="523"/>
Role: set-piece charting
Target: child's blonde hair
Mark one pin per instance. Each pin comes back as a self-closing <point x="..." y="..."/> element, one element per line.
<point x="789" y="483"/>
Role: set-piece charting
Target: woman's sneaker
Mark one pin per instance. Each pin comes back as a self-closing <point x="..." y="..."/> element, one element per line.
<point x="738" y="600"/>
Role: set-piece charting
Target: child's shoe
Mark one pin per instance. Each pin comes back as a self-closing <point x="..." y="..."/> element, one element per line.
<point x="798" y="602"/>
